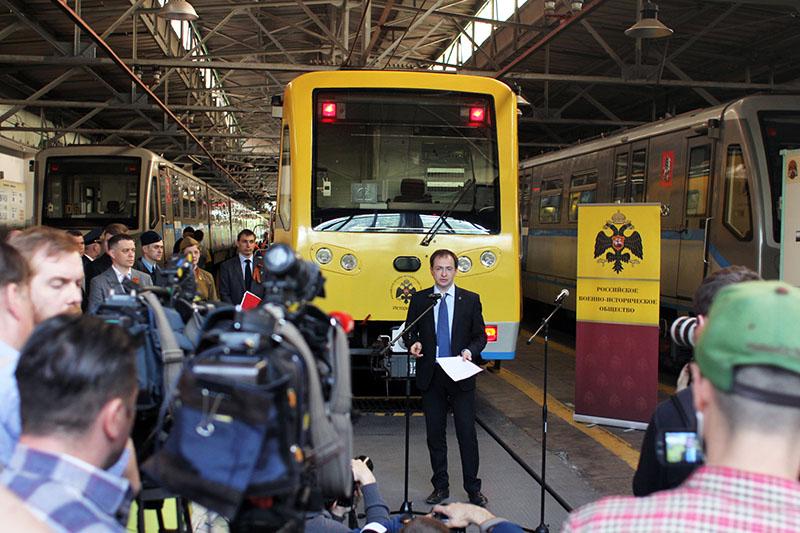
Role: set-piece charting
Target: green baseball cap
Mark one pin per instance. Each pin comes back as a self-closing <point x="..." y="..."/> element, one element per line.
<point x="751" y="323"/>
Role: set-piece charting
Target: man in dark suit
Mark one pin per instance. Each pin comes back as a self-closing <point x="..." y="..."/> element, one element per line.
<point x="103" y="263"/>
<point x="238" y="274"/>
<point x="454" y="327"/>
<point x="122" y="250"/>
<point x="152" y="252"/>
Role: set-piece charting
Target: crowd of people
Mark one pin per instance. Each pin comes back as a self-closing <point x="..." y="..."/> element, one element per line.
<point x="68" y="402"/>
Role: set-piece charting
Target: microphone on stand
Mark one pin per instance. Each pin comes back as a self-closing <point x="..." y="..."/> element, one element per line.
<point x="561" y="296"/>
<point x="435" y="296"/>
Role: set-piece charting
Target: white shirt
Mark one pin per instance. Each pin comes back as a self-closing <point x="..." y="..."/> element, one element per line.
<point x="449" y="300"/>
<point x="120" y="275"/>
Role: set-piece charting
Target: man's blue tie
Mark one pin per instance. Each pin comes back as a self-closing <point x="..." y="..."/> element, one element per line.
<point x="443" y="330"/>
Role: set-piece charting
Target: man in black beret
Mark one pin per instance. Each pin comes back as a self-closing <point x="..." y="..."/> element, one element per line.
<point x="152" y="252"/>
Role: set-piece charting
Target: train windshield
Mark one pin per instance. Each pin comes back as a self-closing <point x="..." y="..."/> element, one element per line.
<point x="395" y="160"/>
<point x="83" y="191"/>
<point x="780" y="131"/>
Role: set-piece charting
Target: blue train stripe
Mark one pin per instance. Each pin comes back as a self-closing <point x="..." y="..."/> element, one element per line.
<point x="505" y="356"/>
<point x="670" y="235"/>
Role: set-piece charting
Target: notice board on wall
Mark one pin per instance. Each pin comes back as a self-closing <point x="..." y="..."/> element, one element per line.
<point x="12" y="203"/>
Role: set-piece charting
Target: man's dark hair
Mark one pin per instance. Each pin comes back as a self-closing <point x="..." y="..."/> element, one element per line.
<point x="74" y="233"/>
<point x="441" y="253"/>
<point x="245" y="233"/>
<point x="69" y="369"/>
<point x="188" y="230"/>
<point x="198" y="235"/>
<point x="115" y="228"/>
<point x="705" y="293"/>
<point x="13" y="267"/>
<point x="112" y="242"/>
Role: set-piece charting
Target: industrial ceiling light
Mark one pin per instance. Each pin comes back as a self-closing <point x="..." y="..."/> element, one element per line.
<point x="549" y="7"/>
<point x="576" y="5"/>
<point x="648" y="26"/>
<point x="178" y="10"/>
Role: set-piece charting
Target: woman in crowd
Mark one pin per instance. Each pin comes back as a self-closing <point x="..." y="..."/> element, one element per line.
<point x="206" y="289"/>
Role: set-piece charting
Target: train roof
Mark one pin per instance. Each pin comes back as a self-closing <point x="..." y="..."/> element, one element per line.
<point x="697" y="118"/>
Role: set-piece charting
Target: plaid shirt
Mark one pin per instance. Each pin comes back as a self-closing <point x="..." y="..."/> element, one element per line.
<point x="67" y="493"/>
<point x="710" y="500"/>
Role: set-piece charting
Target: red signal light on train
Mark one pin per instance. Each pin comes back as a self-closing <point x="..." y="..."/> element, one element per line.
<point x="477" y="115"/>
<point x="54" y="167"/>
<point x="132" y="169"/>
<point x="491" y="333"/>
<point x="772" y="132"/>
<point x="328" y="109"/>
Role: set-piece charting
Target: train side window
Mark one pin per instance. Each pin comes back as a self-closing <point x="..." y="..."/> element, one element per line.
<point x="163" y="190"/>
<point x="187" y="207"/>
<point x="583" y="190"/>
<point x="176" y="197"/>
<point x="285" y="201"/>
<point x="153" y="203"/>
<point x="638" y="177"/>
<point x="737" y="218"/>
<point x="698" y="178"/>
<point x="525" y="194"/>
<point x="550" y="202"/>
<point x="620" y="178"/>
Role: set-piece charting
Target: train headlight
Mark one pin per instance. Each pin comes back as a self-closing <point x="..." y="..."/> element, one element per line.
<point x="488" y="259"/>
<point x="324" y="256"/>
<point x="464" y="264"/>
<point x="349" y="262"/>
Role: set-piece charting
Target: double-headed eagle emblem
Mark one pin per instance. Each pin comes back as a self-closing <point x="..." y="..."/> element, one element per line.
<point x="617" y="242"/>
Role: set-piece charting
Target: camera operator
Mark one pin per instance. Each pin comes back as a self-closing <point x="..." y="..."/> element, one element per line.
<point x="375" y="507"/>
<point x="746" y="383"/>
<point x="677" y="413"/>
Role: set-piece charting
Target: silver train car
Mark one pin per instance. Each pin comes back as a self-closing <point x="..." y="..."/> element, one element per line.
<point x="716" y="173"/>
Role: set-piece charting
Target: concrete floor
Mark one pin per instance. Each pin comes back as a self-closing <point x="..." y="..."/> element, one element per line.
<point x="584" y="463"/>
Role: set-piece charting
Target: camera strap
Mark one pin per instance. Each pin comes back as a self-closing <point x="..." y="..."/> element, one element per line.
<point x="681" y="411"/>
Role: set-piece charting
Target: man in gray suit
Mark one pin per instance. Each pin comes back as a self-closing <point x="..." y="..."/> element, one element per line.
<point x="122" y="250"/>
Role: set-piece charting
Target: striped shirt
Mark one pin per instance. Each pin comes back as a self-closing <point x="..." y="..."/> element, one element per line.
<point x="712" y="499"/>
<point x="66" y="493"/>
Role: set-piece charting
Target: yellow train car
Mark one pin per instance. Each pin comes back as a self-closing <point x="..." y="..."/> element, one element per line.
<point x="379" y="169"/>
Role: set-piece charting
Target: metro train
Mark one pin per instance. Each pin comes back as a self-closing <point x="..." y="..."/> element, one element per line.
<point x="715" y="172"/>
<point x="88" y="186"/>
<point x="379" y="169"/>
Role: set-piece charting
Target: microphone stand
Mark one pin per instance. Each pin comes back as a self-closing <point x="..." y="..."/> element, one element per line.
<point x="406" y="507"/>
<point x="545" y="326"/>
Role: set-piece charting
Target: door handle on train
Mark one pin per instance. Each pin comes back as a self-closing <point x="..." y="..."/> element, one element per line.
<point x="705" y="239"/>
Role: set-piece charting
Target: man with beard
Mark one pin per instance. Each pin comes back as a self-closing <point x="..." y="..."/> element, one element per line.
<point x="56" y="268"/>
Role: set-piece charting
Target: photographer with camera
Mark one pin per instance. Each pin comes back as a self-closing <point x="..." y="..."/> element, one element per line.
<point x="655" y="473"/>
<point x="329" y="521"/>
<point x="746" y="390"/>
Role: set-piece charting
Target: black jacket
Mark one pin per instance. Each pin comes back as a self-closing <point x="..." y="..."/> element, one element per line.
<point x="673" y="414"/>
<point x="468" y="332"/>
<point x="231" y="281"/>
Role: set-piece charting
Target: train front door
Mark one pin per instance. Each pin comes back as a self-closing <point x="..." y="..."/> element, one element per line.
<point x="697" y="212"/>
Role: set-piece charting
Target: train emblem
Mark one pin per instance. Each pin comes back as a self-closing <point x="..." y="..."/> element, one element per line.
<point x="404" y="288"/>
<point x="613" y="245"/>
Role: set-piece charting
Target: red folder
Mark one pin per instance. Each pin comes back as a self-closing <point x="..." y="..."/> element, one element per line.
<point x="250" y="301"/>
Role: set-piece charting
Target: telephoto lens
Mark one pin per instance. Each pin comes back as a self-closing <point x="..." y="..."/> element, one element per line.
<point x="682" y="331"/>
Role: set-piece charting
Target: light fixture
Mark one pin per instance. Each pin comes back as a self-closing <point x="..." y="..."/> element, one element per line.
<point x="576" y="5"/>
<point x="648" y="26"/>
<point x="549" y="7"/>
<point x="178" y="10"/>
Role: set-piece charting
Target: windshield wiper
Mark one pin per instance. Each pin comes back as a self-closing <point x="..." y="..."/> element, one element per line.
<point x="426" y="240"/>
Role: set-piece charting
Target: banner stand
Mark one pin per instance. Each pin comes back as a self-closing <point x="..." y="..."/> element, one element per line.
<point x="617" y="314"/>
<point x="627" y="424"/>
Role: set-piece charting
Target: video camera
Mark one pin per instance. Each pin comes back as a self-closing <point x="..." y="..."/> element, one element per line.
<point x="261" y="429"/>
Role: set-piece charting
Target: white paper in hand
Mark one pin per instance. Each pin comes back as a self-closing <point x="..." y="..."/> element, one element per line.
<point x="457" y="368"/>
